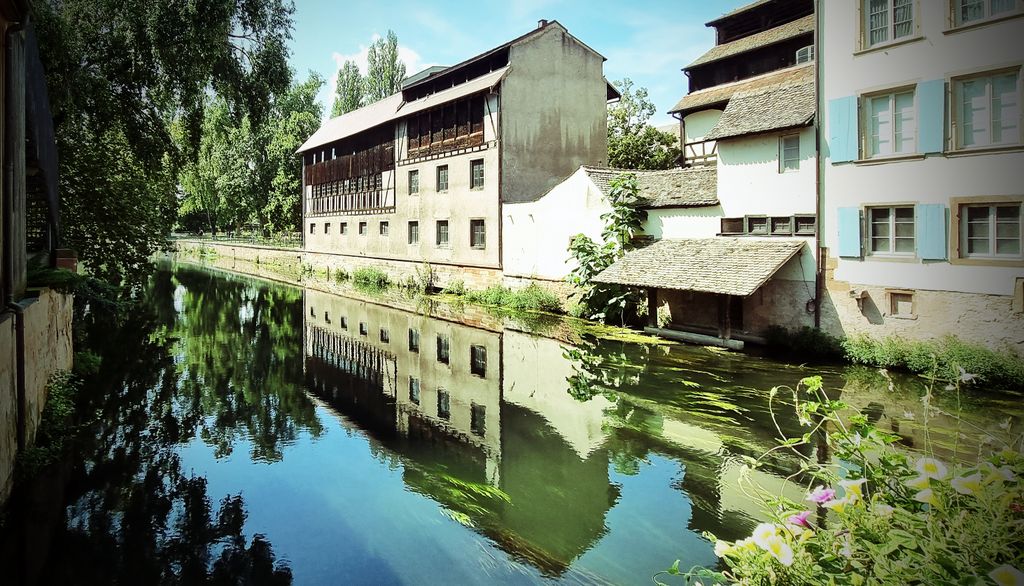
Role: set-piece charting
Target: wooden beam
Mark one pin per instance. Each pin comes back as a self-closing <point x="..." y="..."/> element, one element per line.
<point x="652" y="307"/>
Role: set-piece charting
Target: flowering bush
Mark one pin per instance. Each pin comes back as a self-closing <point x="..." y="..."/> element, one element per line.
<point x="875" y="513"/>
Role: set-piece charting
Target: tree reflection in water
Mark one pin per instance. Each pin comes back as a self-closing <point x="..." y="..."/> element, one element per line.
<point x="186" y="363"/>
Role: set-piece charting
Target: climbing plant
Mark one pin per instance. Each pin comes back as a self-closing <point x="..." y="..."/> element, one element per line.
<point x="602" y="301"/>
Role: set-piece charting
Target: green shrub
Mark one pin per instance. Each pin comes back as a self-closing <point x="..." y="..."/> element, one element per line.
<point x="530" y="298"/>
<point x="341" y="275"/>
<point x="56" y="425"/>
<point x="87" y="363"/>
<point x="456" y="288"/>
<point x="371" y="277"/>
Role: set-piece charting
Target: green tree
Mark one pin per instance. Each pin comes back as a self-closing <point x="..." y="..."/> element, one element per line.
<point x="119" y="75"/>
<point x="348" y="95"/>
<point x="384" y="72"/>
<point x="632" y="143"/>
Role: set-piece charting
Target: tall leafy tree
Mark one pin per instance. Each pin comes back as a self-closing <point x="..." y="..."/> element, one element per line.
<point x="632" y="143"/>
<point x="119" y="75"/>
<point x="348" y="95"/>
<point x="384" y="72"/>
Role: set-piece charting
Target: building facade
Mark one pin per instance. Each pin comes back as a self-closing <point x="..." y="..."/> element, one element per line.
<point x="922" y="150"/>
<point x="421" y="176"/>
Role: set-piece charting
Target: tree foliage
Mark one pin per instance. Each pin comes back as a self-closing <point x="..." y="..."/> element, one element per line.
<point x="632" y="143"/>
<point x="384" y="71"/>
<point x="119" y="75"/>
<point x="348" y="95"/>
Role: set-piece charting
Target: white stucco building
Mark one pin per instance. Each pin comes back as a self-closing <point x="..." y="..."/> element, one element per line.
<point x="922" y="156"/>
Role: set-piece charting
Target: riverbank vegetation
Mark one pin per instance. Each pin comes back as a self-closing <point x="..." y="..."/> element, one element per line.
<point x="876" y="513"/>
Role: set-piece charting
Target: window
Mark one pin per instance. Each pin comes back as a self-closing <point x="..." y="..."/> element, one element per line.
<point x="782" y="226"/>
<point x="732" y="226"/>
<point x="442" y="233"/>
<point x="805" y="54"/>
<point x="891" y="124"/>
<point x="312" y="228"/>
<point x="327" y="317"/>
<point x="478" y="360"/>
<point x="477" y="415"/>
<point x="991" y="230"/>
<point x="987" y="109"/>
<point x="476" y="174"/>
<point x="414" y="182"/>
<point x="362" y="228"/>
<point x="414" y="390"/>
<point x="414" y="340"/>
<point x="444" y="404"/>
<point x="901" y="304"/>
<point x="343" y="228"/>
<point x="891" y="230"/>
<point x="887" y="20"/>
<point x="385" y="336"/>
<point x="968" y="11"/>
<point x="344" y="323"/>
<point x="477" y="234"/>
<point x="757" y="225"/>
<point x="789" y="153"/>
<point x="443" y="346"/>
<point x="363" y="330"/>
<point x="327" y="228"/>
<point x="384" y="228"/>
<point x="414" y="232"/>
<point x="806" y="225"/>
<point x="442" y="178"/>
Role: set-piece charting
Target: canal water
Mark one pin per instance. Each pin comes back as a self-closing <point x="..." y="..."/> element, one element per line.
<point x="257" y="432"/>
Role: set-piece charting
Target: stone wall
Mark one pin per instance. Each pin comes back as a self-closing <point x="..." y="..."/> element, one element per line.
<point x="47" y="349"/>
<point x="995" y="321"/>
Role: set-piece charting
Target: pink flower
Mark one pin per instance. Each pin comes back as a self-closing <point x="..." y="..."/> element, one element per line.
<point x="821" y="495"/>
<point x="799" y="519"/>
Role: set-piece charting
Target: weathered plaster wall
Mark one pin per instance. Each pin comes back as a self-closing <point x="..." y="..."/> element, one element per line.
<point x="683" y="222"/>
<point x="8" y="405"/>
<point x="554" y="114"/>
<point x="48" y="349"/>
<point x="749" y="181"/>
<point x="698" y="124"/>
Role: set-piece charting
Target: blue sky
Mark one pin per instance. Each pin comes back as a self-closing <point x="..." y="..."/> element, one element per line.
<point x="648" y="42"/>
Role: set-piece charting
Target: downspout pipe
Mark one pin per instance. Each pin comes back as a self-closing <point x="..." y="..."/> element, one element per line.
<point x="819" y="272"/>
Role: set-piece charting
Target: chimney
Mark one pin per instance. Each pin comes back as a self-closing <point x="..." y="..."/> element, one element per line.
<point x="542" y="23"/>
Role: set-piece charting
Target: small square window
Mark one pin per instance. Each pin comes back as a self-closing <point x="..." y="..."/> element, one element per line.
<point x="414" y="340"/>
<point x="806" y="225"/>
<point x="327" y="317"/>
<point x="732" y="226"/>
<point x="782" y="226"/>
<point x="477" y="415"/>
<point x="363" y="330"/>
<point x="478" y="360"/>
<point x="443" y="346"/>
<point x="414" y="232"/>
<point x="901" y="304"/>
<point x="384" y="228"/>
<point x="343" y="228"/>
<point x="477" y="234"/>
<point x="414" y="390"/>
<point x="444" y="404"/>
<point x="362" y="228"/>
<point x="385" y="336"/>
<point x="312" y="228"/>
<point x="327" y="228"/>
<point x="343" y="323"/>
<point x="414" y="182"/>
<point x="312" y="312"/>
<point x="442" y="178"/>
<point x="476" y="174"/>
<point x="789" y="153"/>
<point x="442" y="234"/>
<point x="757" y="225"/>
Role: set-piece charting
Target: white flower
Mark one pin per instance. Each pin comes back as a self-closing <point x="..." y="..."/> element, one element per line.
<point x="847" y="549"/>
<point x="908" y="415"/>
<point x="927" y="496"/>
<point x="780" y="550"/>
<point x="967" y="484"/>
<point x="852" y="489"/>
<point x="882" y="510"/>
<point x="965" y="377"/>
<point x="722" y="548"/>
<point x="1007" y="575"/>
<point x="918" y="482"/>
<point x="763" y="533"/>
<point x="931" y="468"/>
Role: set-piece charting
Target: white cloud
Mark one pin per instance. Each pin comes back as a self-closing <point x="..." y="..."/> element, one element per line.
<point x="412" y="60"/>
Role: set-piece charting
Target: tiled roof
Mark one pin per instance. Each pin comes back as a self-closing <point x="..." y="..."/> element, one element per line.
<point x="739" y="10"/>
<point x="689" y="187"/>
<point x="771" y="36"/>
<point x="773" y="108"/>
<point x="730" y="266"/>
<point x="720" y="94"/>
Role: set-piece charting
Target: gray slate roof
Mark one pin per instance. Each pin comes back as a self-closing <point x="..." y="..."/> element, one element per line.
<point x="771" y="36"/>
<point x="720" y="94"/>
<point x="688" y="187"/>
<point x="766" y="109"/>
<point x="731" y="266"/>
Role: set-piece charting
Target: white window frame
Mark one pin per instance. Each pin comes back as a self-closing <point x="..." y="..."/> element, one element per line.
<point x="992" y="223"/>
<point x="867" y="123"/>
<point x="472" y="177"/>
<point x="957" y="109"/>
<point x="890" y="24"/>
<point x="788" y="164"/>
<point x="437" y="179"/>
<point x="414" y="182"/>
<point x="956" y="12"/>
<point x="447" y="234"/>
<point x="891" y="238"/>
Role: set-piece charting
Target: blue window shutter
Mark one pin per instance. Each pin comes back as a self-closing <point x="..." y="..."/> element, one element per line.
<point x="931" y="99"/>
<point x="930" y="230"/>
<point x="849" y="232"/>
<point x="842" y="127"/>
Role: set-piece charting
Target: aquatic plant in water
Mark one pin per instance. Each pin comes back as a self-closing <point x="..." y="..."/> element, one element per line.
<point x="877" y="513"/>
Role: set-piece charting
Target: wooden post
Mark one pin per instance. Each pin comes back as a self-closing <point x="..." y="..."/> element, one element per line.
<point x="652" y="307"/>
<point x="727" y="321"/>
